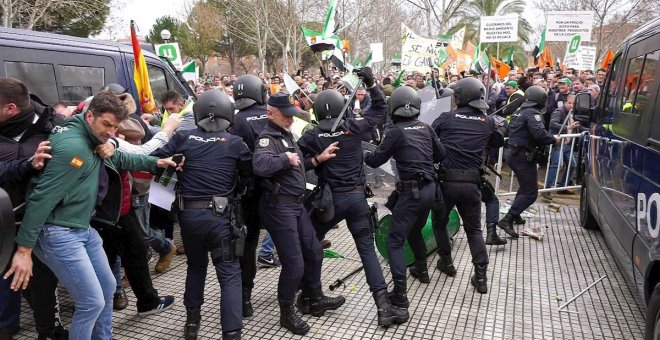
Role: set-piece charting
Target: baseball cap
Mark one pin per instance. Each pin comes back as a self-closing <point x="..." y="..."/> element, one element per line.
<point x="286" y="104"/>
<point x="566" y="81"/>
<point x="511" y="83"/>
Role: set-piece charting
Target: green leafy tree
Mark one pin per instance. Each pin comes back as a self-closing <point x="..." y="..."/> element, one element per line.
<point x="165" y="23"/>
<point x="201" y="32"/>
<point x="72" y="17"/>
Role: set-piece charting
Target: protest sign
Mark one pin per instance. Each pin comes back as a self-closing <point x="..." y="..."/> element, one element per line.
<point x="498" y="29"/>
<point x="563" y="25"/>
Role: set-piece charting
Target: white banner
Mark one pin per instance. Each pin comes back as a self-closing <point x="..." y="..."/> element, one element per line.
<point x="417" y="53"/>
<point x="499" y="29"/>
<point x="583" y="59"/>
<point x="562" y="25"/>
<point x="170" y="51"/>
<point x="457" y="39"/>
<point x="376" y="52"/>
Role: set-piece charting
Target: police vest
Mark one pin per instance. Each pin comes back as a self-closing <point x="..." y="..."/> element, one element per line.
<point x="508" y="101"/>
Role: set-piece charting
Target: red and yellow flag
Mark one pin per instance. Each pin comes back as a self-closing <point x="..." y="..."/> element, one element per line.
<point x="141" y="77"/>
<point x="500" y="67"/>
<point x="609" y="57"/>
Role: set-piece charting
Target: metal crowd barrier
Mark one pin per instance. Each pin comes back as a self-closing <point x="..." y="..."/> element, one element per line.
<point x="574" y="157"/>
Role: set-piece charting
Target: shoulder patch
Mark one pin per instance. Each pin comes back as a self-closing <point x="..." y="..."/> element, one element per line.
<point x="264" y="142"/>
<point x="77" y="162"/>
<point x="537" y="117"/>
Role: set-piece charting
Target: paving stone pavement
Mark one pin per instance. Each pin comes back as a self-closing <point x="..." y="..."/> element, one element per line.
<point x="528" y="281"/>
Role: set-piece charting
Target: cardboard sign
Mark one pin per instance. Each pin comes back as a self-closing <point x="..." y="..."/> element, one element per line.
<point x="563" y="25"/>
<point x="171" y="52"/>
<point x="499" y="29"/>
<point x="417" y="53"/>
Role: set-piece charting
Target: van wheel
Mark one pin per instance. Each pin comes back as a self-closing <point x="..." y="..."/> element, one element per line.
<point x="587" y="219"/>
<point x="653" y="315"/>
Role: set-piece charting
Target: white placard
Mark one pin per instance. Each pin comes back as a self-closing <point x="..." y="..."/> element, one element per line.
<point x="417" y="52"/>
<point x="499" y="29"/>
<point x="171" y="52"/>
<point x="562" y="25"/>
<point x="376" y="52"/>
<point x="457" y="38"/>
<point x="583" y="59"/>
<point x="162" y="196"/>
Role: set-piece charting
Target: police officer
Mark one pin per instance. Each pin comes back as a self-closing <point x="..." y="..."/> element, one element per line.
<point x="415" y="148"/>
<point x="207" y="210"/>
<point x="465" y="133"/>
<point x="250" y="95"/>
<point x="345" y="177"/>
<point x="527" y="135"/>
<point x="280" y="163"/>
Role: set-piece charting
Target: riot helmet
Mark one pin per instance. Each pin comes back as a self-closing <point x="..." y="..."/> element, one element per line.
<point x="535" y="96"/>
<point x="249" y="90"/>
<point x="404" y="102"/>
<point x="214" y="111"/>
<point x="328" y="106"/>
<point x="470" y="92"/>
<point x="114" y="88"/>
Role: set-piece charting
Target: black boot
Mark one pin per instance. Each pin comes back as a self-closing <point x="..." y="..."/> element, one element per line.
<point x="320" y="303"/>
<point x="247" y="303"/>
<point x="446" y="265"/>
<point x="480" y="278"/>
<point x="398" y="295"/>
<point x="232" y="335"/>
<point x="388" y="313"/>
<point x="193" y="319"/>
<point x="420" y="272"/>
<point x="506" y="223"/>
<point x="303" y="302"/>
<point x="492" y="239"/>
<point x="60" y="333"/>
<point x="518" y="220"/>
<point x="290" y="320"/>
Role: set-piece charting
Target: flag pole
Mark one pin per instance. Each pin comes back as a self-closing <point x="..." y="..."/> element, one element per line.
<point x="498" y="51"/>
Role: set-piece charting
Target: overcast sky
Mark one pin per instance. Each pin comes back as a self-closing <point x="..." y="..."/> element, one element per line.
<point x="145" y="13"/>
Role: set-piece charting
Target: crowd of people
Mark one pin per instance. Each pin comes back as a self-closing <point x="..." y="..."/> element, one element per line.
<point x="249" y="147"/>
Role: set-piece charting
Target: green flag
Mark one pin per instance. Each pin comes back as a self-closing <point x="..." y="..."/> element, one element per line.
<point x="312" y="87"/>
<point x="540" y="45"/>
<point x="442" y="56"/>
<point x="484" y="62"/>
<point x="399" y="79"/>
<point x="475" y="59"/>
<point x="509" y="59"/>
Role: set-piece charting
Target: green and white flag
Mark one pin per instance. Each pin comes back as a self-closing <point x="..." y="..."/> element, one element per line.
<point x="540" y="45"/>
<point x="442" y="56"/>
<point x="189" y="71"/>
<point x="312" y="87"/>
<point x="329" y="27"/>
<point x="318" y="43"/>
<point x="483" y="63"/>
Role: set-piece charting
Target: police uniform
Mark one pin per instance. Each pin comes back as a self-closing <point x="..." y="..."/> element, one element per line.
<point x="465" y="133"/>
<point x="285" y="217"/>
<point x="526" y="134"/>
<point x="415" y="148"/>
<point x="345" y="176"/>
<point x="213" y="161"/>
<point x="250" y="98"/>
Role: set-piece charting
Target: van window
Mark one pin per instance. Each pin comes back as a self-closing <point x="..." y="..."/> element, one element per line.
<point x="631" y="83"/>
<point x="647" y="87"/>
<point x="158" y="82"/>
<point x="79" y="82"/>
<point x="608" y="100"/>
<point x="38" y="78"/>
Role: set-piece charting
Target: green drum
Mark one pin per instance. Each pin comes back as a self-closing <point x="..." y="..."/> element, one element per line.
<point x="427" y="233"/>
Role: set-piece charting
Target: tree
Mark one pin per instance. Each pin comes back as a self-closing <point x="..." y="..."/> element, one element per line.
<point x="72" y="17"/>
<point x="473" y="10"/>
<point x="201" y="32"/>
<point x="165" y="23"/>
<point x="437" y="13"/>
<point x="247" y="22"/>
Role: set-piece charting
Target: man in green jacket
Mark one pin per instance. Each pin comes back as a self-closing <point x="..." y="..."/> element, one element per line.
<point x="61" y="202"/>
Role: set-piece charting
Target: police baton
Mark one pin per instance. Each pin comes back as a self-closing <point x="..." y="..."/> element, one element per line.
<point x="505" y="106"/>
<point x="348" y="102"/>
<point x="340" y="282"/>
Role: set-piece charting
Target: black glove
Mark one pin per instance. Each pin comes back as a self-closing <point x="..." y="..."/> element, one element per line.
<point x="367" y="76"/>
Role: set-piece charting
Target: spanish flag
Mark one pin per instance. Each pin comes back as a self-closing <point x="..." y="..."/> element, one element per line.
<point x="141" y="77"/>
<point x="609" y="57"/>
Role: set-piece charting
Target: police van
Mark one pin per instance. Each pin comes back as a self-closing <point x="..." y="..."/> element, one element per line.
<point x="621" y="186"/>
<point x="59" y="68"/>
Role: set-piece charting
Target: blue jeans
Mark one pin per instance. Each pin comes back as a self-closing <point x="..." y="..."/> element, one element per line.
<point x="116" y="271"/>
<point x="77" y="258"/>
<point x="267" y="246"/>
<point x="565" y="153"/>
<point x="154" y="239"/>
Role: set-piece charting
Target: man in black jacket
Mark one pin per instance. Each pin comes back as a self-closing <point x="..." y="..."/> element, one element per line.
<point x="24" y="125"/>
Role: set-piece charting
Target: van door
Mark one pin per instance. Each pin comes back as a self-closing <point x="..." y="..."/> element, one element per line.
<point x="647" y="103"/>
<point x="56" y="76"/>
<point x="623" y="152"/>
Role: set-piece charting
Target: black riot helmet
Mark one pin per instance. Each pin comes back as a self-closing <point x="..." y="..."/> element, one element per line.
<point x="249" y="90"/>
<point x="404" y="102"/>
<point x="327" y="106"/>
<point x="535" y="96"/>
<point x="214" y="111"/>
<point x="470" y="92"/>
